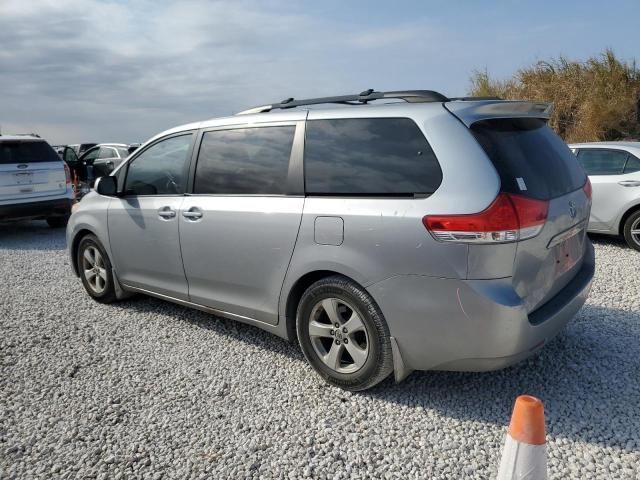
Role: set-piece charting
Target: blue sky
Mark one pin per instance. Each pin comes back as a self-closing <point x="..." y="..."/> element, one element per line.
<point x="98" y="70"/>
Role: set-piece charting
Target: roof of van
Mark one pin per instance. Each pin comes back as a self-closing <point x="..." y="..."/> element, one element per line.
<point x="387" y="104"/>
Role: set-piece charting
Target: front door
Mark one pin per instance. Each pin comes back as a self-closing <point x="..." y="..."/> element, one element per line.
<point x="612" y="174"/>
<point x="239" y="227"/>
<point x="143" y="223"/>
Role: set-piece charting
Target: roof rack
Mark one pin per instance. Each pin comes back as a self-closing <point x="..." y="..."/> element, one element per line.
<point x="411" y="96"/>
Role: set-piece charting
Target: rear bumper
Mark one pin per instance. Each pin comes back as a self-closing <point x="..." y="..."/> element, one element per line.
<point x="473" y="325"/>
<point x="34" y="210"/>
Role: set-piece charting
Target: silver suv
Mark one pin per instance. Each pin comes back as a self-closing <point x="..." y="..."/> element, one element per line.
<point x="388" y="231"/>
<point x="34" y="181"/>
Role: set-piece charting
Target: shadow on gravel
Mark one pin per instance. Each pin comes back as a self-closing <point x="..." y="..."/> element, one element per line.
<point x="588" y="377"/>
<point x="600" y="239"/>
<point x="33" y="235"/>
<point x="222" y="326"/>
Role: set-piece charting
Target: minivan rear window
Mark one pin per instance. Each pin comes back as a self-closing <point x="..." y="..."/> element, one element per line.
<point x="529" y="157"/>
<point x="369" y="157"/>
<point x="26" y="152"/>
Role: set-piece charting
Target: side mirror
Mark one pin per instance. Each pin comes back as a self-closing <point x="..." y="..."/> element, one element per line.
<point x="107" y="186"/>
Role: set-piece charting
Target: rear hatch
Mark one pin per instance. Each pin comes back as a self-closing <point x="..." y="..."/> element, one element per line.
<point x="30" y="169"/>
<point x="547" y="189"/>
<point x="534" y="163"/>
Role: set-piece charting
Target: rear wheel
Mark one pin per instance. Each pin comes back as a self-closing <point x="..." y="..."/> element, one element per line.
<point x="632" y="230"/>
<point x="343" y="334"/>
<point x="58" y="222"/>
<point x="95" y="270"/>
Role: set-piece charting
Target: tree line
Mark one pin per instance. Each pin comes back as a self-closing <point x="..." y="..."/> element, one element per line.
<point x="597" y="99"/>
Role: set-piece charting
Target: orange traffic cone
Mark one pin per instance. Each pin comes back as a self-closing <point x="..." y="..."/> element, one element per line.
<point x="525" y="453"/>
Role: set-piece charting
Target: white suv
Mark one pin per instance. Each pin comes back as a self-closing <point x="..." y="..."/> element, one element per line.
<point x="34" y="181"/>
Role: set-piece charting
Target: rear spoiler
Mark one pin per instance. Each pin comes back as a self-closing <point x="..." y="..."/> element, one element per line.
<point x="470" y="112"/>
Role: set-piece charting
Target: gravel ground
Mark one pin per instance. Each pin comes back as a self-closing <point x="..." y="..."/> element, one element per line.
<point x="147" y="389"/>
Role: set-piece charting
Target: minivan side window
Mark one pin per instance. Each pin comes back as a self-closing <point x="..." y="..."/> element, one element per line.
<point x="369" y="157"/>
<point x="602" y="162"/>
<point x="244" y="161"/>
<point x="160" y="169"/>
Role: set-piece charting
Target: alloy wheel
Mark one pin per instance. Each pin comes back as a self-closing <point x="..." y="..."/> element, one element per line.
<point x="338" y="335"/>
<point x="94" y="269"/>
<point x="635" y="231"/>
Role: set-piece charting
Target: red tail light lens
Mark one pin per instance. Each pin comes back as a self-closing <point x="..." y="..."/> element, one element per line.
<point x="507" y="219"/>
<point x="67" y="174"/>
<point x="587" y="188"/>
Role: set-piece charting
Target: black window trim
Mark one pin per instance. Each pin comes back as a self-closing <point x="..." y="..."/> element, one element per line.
<point x="122" y="177"/>
<point x="629" y="157"/>
<point x="295" y="177"/>
<point x="579" y="150"/>
<point x="374" y="196"/>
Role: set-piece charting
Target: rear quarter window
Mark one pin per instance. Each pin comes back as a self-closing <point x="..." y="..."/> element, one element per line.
<point x="369" y="157"/>
<point x="27" y="152"/>
<point x="529" y="157"/>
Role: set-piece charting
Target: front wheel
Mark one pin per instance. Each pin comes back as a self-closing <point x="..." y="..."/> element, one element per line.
<point x="95" y="270"/>
<point x="343" y="334"/>
<point x="632" y="230"/>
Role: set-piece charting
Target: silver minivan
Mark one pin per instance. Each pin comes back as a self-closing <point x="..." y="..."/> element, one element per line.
<point x="385" y="231"/>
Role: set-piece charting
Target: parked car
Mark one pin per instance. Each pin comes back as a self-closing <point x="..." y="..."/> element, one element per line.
<point x="34" y="182"/>
<point x="80" y="148"/>
<point x="96" y="162"/>
<point x="614" y="171"/>
<point x="59" y="149"/>
<point x="105" y="157"/>
<point x="421" y="234"/>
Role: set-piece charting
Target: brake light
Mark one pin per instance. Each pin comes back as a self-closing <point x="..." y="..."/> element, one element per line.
<point x="587" y="188"/>
<point x="509" y="218"/>
<point x="67" y="174"/>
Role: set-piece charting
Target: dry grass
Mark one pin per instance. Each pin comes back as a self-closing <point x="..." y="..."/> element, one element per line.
<point x="598" y="99"/>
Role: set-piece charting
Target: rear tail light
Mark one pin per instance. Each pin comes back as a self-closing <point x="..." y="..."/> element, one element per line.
<point x="587" y="188"/>
<point x="508" y="219"/>
<point x="67" y="174"/>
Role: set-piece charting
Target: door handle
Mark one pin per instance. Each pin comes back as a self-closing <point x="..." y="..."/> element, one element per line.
<point x="629" y="183"/>
<point x="166" y="213"/>
<point x="194" y="213"/>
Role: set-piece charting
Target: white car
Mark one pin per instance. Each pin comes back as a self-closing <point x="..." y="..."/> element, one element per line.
<point x="614" y="171"/>
<point x="34" y="181"/>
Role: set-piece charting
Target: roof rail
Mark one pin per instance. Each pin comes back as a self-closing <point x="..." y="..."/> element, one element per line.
<point x="411" y="96"/>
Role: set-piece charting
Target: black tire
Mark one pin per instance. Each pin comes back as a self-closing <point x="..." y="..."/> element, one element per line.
<point x="632" y="223"/>
<point x="108" y="293"/>
<point x="58" y="222"/>
<point x="379" y="361"/>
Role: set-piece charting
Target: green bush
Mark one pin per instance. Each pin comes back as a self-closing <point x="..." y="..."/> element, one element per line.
<point x="598" y="99"/>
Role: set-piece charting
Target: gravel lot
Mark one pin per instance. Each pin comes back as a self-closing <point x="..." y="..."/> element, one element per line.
<point x="147" y="389"/>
